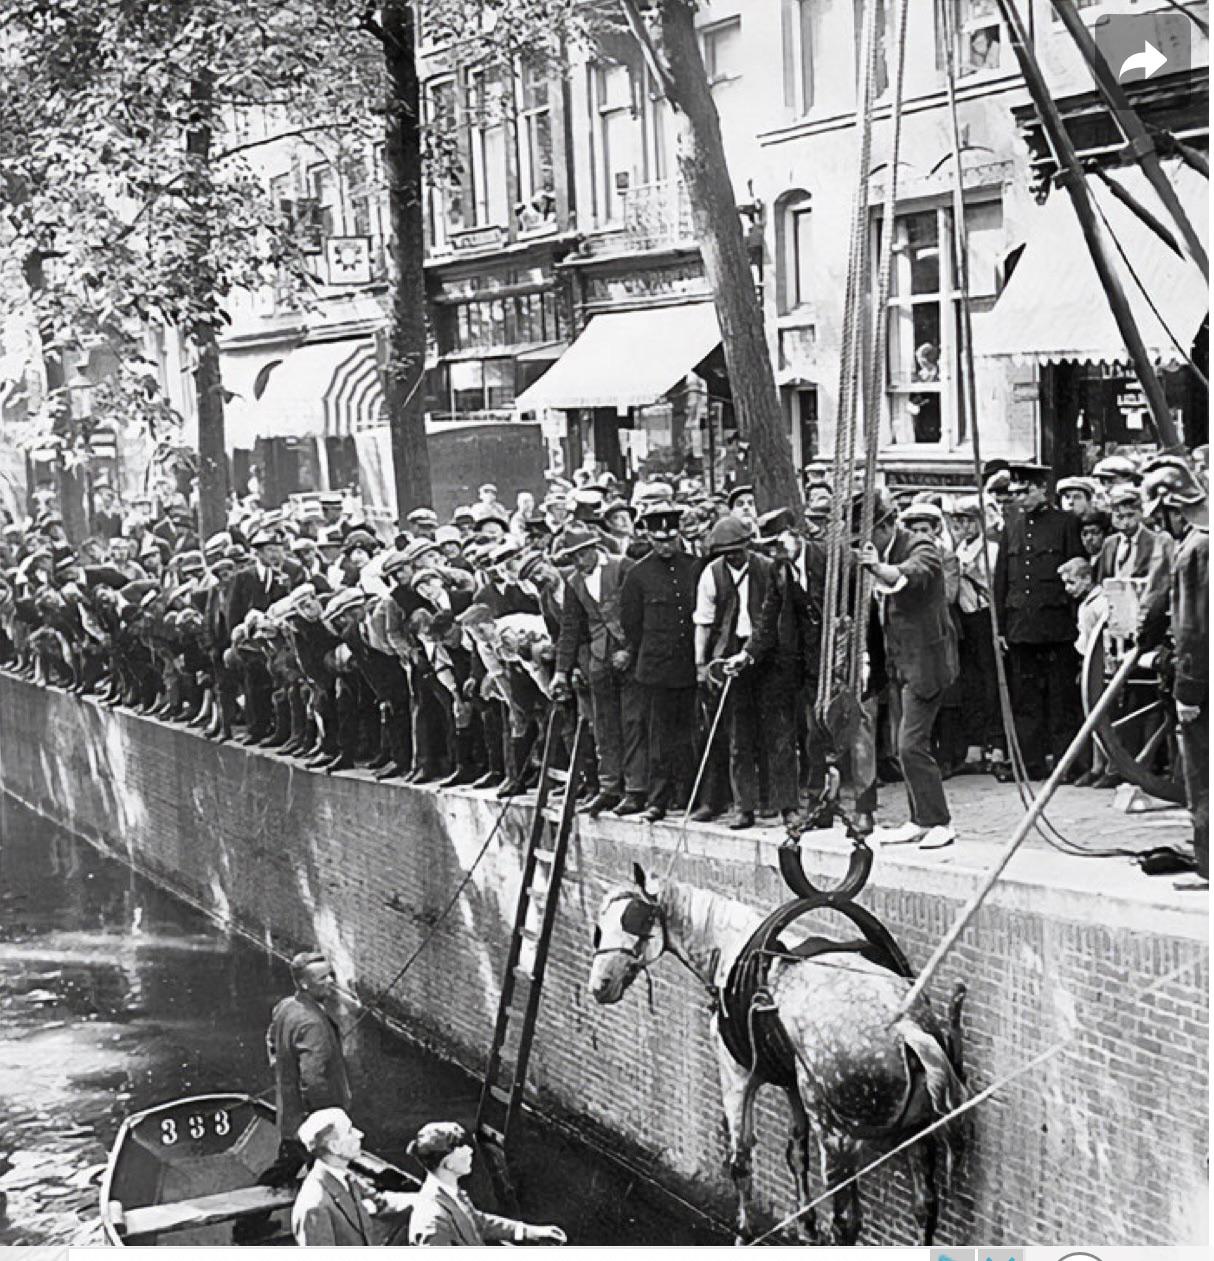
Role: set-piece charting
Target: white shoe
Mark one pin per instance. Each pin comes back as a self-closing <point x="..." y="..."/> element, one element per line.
<point x="905" y="834"/>
<point x="938" y="837"/>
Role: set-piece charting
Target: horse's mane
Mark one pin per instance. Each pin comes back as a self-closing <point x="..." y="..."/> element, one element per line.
<point x="711" y="927"/>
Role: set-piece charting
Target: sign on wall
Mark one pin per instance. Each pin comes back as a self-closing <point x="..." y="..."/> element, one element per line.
<point x="348" y="259"/>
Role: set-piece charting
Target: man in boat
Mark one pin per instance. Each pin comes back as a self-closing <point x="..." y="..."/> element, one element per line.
<point x="304" y="1046"/>
<point x="328" y="1210"/>
<point x="443" y="1215"/>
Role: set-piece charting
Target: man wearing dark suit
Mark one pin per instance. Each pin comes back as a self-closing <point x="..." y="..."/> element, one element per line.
<point x="304" y="1047"/>
<point x="257" y="586"/>
<point x="1134" y="550"/>
<point x="785" y="644"/>
<point x="443" y="1216"/>
<point x="1037" y="619"/>
<point x="921" y="659"/>
<point x="657" y="600"/>
<point x="328" y="1211"/>
<point x="590" y="639"/>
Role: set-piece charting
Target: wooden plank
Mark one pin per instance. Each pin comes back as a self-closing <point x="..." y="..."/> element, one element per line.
<point x="158" y="1219"/>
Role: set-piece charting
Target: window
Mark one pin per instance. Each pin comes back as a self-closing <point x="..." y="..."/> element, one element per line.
<point x="444" y="183"/>
<point x="617" y="136"/>
<point x="322" y="186"/>
<point x="795" y="259"/>
<point x="884" y="39"/>
<point x="721" y="45"/>
<point x="536" y="144"/>
<point x="487" y="136"/>
<point x="797" y="30"/>
<point x="922" y="343"/>
<point x="977" y="34"/>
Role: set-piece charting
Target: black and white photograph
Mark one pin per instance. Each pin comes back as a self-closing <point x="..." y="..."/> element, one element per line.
<point x="604" y="624"/>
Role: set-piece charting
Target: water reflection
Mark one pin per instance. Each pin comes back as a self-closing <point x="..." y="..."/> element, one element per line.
<point x="115" y="996"/>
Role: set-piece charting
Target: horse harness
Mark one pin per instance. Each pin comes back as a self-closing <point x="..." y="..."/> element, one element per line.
<point x="746" y="1013"/>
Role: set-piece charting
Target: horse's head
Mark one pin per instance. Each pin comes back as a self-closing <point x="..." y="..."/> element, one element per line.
<point x="629" y="936"/>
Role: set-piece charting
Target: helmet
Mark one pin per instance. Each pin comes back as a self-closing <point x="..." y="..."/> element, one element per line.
<point x="1170" y="480"/>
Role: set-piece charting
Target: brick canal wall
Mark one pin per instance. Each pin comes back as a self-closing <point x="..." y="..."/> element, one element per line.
<point x="1105" y="1143"/>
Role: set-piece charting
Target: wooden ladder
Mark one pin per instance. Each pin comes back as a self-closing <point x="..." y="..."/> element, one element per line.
<point x="527" y="958"/>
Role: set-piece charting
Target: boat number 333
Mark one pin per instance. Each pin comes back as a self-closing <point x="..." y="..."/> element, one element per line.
<point x="195" y="1126"/>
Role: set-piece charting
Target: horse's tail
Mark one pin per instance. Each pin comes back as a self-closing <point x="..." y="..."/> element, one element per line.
<point x="946" y="1090"/>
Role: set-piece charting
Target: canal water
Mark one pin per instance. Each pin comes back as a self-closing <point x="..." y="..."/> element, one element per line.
<point x="115" y="996"/>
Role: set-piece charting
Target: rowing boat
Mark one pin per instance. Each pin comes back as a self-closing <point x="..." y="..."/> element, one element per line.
<point x="184" y="1173"/>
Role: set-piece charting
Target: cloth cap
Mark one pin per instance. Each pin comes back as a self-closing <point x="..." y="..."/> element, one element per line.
<point x="969" y="506"/>
<point x="463" y="513"/>
<point x="490" y="512"/>
<point x="68" y="560"/>
<point x="415" y="549"/>
<point x="423" y="516"/>
<point x="262" y="537"/>
<point x="531" y="564"/>
<point x="727" y="534"/>
<point x="504" y="552"/>
<point x="1125" y="493"/>
<point x="424" y="575"/>
<point x="392" y="563"/>
<point x="217" y="544"/>
<point x="190" y="562"/>
<point x="1084" y="484"/>
<point x="574" y="541"/>
<point x="772" y="524"/>
<point x="346" y="599"/>
<point x="329" y="499"/>
<point x="737" y="492"/>
<point x="923" y="511"/>
<point x="303" y="592"/>
<point x="447" y="534"/>
<point x="612" y="506"/>
<point x="1115" y="466"/>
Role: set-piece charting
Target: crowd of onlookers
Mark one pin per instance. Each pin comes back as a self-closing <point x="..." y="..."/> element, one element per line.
<point x="435" y="655"/>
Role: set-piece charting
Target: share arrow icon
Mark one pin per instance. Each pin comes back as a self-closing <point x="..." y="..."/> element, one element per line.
<point x="1150" y="61"/>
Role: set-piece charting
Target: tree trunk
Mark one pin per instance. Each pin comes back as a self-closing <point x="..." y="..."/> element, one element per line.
<point x="726" y="262"/>
<point x="407" y="325"/>
<point x="208" y="386"/>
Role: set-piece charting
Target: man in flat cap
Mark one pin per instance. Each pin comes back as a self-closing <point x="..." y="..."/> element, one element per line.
<point x="656" y="604"/>
<point x="257" y="586"/>
<point x="1037" y="620"/>
<point x="1134" y="550"/>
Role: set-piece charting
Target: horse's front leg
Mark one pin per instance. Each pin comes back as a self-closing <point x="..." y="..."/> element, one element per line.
<point x="797" y="1155"/>
<point x="738" y="1090"/>
<point x="925" y="1201"/>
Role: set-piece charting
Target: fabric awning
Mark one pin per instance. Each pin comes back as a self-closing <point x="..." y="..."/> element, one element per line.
<point x="1054" y="308"/>
<point x="304" y="395"/>
<point x="245" y="379"/>
<point x="354" y="399"/>
<point x="626" y="359"/>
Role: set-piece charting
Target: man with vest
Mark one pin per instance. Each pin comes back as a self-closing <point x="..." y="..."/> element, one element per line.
<point x="657" y="600"/>
<point x="729" y="603"/>
<point x="1037" y="620"/>
<point x="590" y="641"/>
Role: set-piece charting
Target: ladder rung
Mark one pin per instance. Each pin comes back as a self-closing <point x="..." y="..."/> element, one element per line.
<point x="529" y="933"/>
<point x="521" y="974"/>
<point x="544" y="855"/>
<point x="495" y="1134"/>
<point x="502" y="1096"/>
<point x="558" y="776"/>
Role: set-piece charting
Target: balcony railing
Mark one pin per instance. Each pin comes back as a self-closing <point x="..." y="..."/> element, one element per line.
<point x="657" y="214"/>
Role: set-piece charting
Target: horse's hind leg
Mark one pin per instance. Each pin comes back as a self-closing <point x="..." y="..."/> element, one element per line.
<point x="797" y="1154"/>
<point x="839" y="1158"/>
<point x="925" y="1202"/>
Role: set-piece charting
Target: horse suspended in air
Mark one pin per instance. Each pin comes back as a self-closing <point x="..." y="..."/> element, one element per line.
<point x="855" y="1072"/>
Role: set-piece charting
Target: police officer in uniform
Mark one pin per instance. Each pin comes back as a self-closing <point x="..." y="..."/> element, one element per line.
<point x="1037" y="619"/>
<point x="656" y="605"/>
